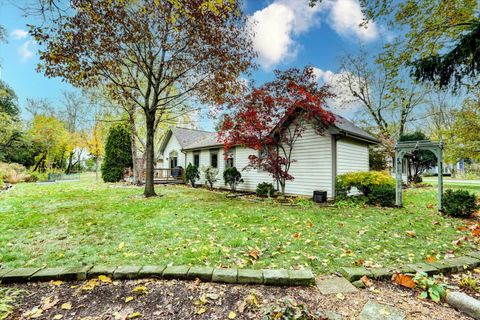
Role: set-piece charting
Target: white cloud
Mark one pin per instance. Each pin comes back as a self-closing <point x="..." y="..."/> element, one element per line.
<point x="345" y="18"/>
<point x="19" y="34"/>
<point x="344" y="103"/>
<point x="276" y="26"/>
<point x="27" y="49"/>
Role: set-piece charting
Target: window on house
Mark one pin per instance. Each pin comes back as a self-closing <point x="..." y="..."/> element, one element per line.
<point x="196" y="160"/>
<point x="214" y="159"/>
<point x="229" y="160"/>
<point x="229" y="163"/>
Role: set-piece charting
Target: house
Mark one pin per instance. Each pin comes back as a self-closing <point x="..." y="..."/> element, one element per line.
<point x="318" y="158"/>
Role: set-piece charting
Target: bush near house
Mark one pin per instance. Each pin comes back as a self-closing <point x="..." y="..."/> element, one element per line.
<point x="192" y="174"/>
<point x="364" y="181"/>
<point x="232" y="177"/>
<point x="118" y="154"/>
<point x="383" y="195"/>
<point x="265" y="189"/>
<point x="210" y="174"/>
<point x="459" y="203"/>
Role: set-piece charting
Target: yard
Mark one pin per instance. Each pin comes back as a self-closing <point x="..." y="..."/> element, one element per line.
<point x="89" y="222"/>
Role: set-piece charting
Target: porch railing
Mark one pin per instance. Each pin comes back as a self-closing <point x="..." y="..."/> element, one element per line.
<point x="173" y="174"/>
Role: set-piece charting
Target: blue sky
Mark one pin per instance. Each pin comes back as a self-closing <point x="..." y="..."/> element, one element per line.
<point x="288" y="33"/>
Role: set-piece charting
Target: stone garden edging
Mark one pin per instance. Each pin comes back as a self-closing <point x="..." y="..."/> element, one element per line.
<point x="279" y="277"/>
<point x="468" y="261"/>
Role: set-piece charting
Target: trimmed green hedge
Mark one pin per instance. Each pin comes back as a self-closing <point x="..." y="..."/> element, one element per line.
<point x="459" y="203"/>
<point x="364" y="181"/>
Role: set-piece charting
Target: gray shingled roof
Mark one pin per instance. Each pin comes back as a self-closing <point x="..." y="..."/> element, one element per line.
<point x="208" y="140"/>
<point x="198" y="139"/>
<point x="345" y="125"/>
<point x="186" y="137"/>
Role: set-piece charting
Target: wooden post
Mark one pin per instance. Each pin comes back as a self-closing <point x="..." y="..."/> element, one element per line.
<point x="440" y="177"/>
<point x="398" y="177"/>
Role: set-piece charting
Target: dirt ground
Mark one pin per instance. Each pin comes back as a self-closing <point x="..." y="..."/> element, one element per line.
<point x="161" y="299"/>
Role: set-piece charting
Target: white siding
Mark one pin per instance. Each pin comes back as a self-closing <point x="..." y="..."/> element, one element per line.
<point x="251" y="177"/>
<point x="205" y="161"/>
<point x="352" y="156"/>
<point x="312" y="168"/>
<point x="173" y="145"/>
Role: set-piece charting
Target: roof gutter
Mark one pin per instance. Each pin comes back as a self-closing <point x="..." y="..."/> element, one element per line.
<point x="357" y="137"/>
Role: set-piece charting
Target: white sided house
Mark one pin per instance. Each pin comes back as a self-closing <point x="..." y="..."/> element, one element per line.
<point x="318" y="158"/>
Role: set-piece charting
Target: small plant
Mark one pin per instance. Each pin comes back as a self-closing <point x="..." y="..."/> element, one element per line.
<point x="210" y="174"/>
<point x="469" y="282"/>
<point x="8" y="297"/>
<point x="265" y="189"/>
<point x="459" y="203"/>
<point x="382" y="195"/>
<point x="232" y="177"/>
<point x="432" y="288"/>
<point x="192" y="174"/>
<point x="290" y="310"/>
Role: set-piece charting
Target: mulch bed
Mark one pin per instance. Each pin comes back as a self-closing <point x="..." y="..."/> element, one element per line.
<point x="161" y="299"/>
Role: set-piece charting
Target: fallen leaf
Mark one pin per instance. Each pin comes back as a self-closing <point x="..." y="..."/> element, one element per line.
<point x="255" y="254"/>
<point x="104" y="279"/>
<point x="360" y="262"/>
<point x="34" y="313"/>
<point x="476" y="270"/>
<point x="340" y="296"/>
<point x="121" y="245"/>
<point x="411" y="234"/>
<point x="89" y="285"/>
<point x="56" y="282"/>
<point x="296" y="235"/>
<point x="431" y="259"/>
<point x="430" y="206"/>
<point x="212" y="296"/>
<point x="232" y="315"/>
<point x="128" y="299"/>
<point x="404" y="280"/>
<point x="134" y="315"/>
<point x="66" y="306"/>
<point x="140" y="290"/>
<point x="201" y="310"/>
<point x="57" y="317"/>
<point x="310" y="224"/>
<point x="462" y="228"/>
<point x="476" y="232"/>
<point x="367" y="282"/>
<point x="49" y="303"/>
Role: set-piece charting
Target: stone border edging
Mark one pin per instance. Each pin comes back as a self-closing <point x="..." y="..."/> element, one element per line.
<point x="278" y="277"/>
<point x="468" y="261"/>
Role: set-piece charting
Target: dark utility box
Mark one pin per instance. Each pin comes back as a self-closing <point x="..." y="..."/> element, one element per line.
<point x="320" y="196"/>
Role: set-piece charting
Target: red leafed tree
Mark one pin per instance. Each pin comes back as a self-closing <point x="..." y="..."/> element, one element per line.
<point x="272" y="117"/>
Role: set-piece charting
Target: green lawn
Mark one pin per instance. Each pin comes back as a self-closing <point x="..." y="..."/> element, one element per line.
<point x="88" y="222"/>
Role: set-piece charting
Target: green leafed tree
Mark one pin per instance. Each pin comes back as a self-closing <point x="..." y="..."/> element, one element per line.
<point x="418" y="160"/>
<point x="8" y="100"/>
<point x="118" y="154"/>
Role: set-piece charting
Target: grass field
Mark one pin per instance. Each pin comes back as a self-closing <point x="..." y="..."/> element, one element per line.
<point x="88" y="222"/>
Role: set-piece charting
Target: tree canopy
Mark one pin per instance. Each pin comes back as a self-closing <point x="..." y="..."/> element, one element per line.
<point x="152" y="54"/>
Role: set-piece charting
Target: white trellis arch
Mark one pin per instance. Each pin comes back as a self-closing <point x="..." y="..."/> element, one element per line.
<point x="404" y="147"/>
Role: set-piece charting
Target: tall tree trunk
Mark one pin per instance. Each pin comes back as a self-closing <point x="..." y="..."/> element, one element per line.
<point x="97" y="163"/>
<point x="133" y="139"/>
<point x="70" y="161"/>
<point x="149" y="150"/>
